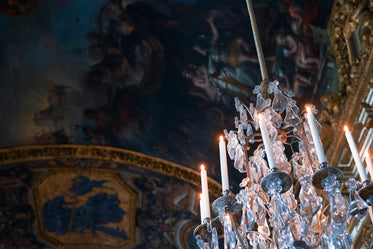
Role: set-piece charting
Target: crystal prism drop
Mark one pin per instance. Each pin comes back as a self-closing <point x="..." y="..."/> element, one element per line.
<point x="291" y="118"/>
<point x="214" y="239"/>
<point x="280" y="101"/>
<point x="358" y="208"/>
<point x="338" y="204"/>
<point x="240" y="159"/>
<point x="308" y="198"/>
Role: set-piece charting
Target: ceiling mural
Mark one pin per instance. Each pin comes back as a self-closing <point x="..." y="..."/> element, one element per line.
<point x="157" y="77"/>
<point x="92" y="203"/>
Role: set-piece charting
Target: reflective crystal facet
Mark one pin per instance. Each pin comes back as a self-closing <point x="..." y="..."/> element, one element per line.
<point x="358" y="208"/>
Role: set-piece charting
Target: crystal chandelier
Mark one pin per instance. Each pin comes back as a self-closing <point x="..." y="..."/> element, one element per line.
<point x="266" y="211"/>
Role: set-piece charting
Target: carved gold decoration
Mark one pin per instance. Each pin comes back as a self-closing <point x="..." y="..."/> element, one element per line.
<point x="354" y="71"/>
<point x="350" y="31"/>
<point x="110" y="154"/>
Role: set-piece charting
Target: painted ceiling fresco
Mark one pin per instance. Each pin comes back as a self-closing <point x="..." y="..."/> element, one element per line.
<point x="157" y="76"/>
<point x="93" y="204"/>
<point x="153" y="76"/>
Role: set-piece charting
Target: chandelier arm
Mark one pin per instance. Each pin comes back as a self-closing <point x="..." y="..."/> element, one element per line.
<point x="239" y="237"/>
<point x="264" y="197"/>
<point x="258" y="45"/>
<point x="297" y="155"/>
<point x="248" y="175"/>
<point x="320" y="227"/>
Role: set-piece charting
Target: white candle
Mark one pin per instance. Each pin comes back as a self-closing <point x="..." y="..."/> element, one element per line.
<point x="369" y="164"/>
<point x="267" y="145"/>
<point x="315" y="136"/>
<point x="223" y="164"/>
<point x="205" y="193"/>
<point x="202" y="211"/>
<point x="355" y="154"/>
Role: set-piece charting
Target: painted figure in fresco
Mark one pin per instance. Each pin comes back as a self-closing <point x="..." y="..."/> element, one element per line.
<point x="200" y="78"/>
<point x="62" y="217"/>
<point x="299" y="50"/>
<point x="94" y="214"/>
<point x="295" y="62"/>
<point x="95" y="135"/>
<point x="227" y="67"/>
<point x="121" y="110"/>
<point x="123" y="51"/>
<point x="301" y="14"/>
<point x="54" y="113"/>
<point x="82" y="185"/>
<point x="56" y="214"/>
<point x="47" y="137"/>
<point x="17" y="8"/>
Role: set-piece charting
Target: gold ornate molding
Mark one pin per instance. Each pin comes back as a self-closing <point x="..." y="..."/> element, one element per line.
<point x="117" y="155"/>
<point x="352" y="40"/>
<point x="351" y="34"/>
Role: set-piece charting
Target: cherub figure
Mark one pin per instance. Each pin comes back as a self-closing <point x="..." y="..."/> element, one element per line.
<point x="299" y="50"/>
<point x="200" y="78"/>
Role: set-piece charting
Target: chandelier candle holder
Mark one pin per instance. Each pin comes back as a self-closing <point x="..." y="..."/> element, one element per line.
<point x="366" y="192"/>
<point x="285" y="149"/>
<point x="324" y="171"/>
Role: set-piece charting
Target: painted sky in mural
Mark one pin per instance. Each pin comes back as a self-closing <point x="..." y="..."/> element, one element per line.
<point x="157" y="77"/>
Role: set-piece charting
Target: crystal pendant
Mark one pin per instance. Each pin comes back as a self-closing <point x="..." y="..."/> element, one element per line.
<point x="262" y="103"/>
<point x="280" y="158"/>
<point x="301" y="165"/>
<point x="280" y="213"/>
<point x="280" y="101"/>
<point x="296" y="225"/>
<point x="339" y="238"/>
<point x="200" y="241"/>
<point x="264" y="229"/>
<point x="319" y="221"/>
<point x="214" y="239"/>
<point x="338" y="204"/>
<point x="229" y="236"/>
<point x="324" y="244"/>
<point x="274" y="117"/>
<point x="279" y="210"/>
<point x="247" y="219"/>
<point x="309" y="201"/>
<point x="257" y="241"/>
<point x="285" y="238"/>
<point x="241" y="135"/>
<point x="358" y="207"/>
<point x="232" y="143"/>
<point x="292" y="119"/>
<point x="259" y="210"/>
<point x="258" y="166"/>
<point x="273" y="243"/>
<point x="308" y="235"/>
<point x="240" y="159"/>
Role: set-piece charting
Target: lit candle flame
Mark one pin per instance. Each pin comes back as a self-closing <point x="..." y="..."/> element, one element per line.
<point x="346" y="128"/>
<point x="202" y="167"/>
<point x="260" y="116"/>
<point x="221" y="138"/>
<point x="201" y="196"/>
<point x="308" y="109"/>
